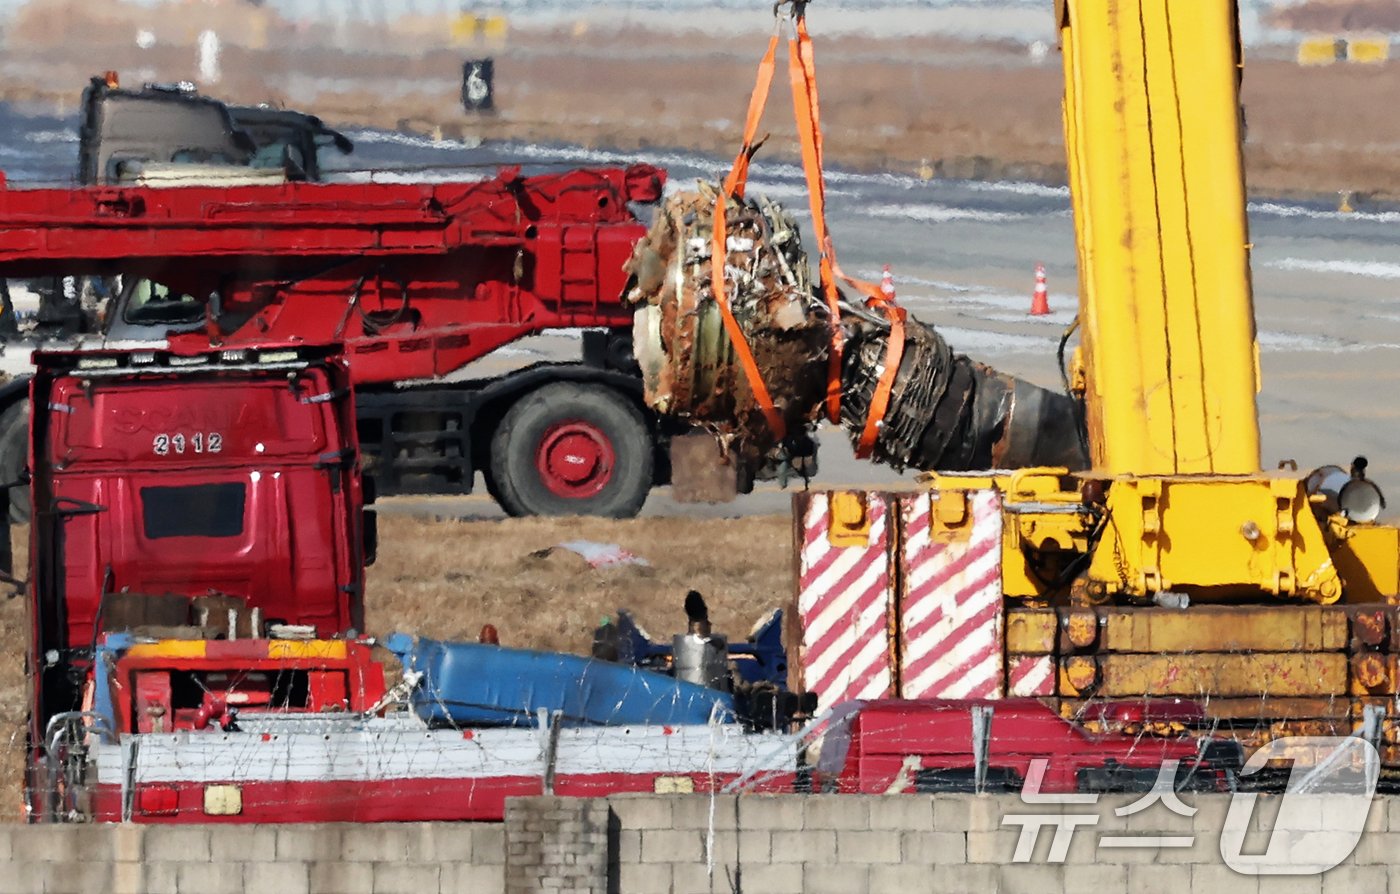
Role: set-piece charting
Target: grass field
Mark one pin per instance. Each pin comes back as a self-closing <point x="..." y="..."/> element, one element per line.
<point x="447" y="579"/>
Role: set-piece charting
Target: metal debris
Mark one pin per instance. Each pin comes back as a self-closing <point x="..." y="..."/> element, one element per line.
<point x="602" y="555"/>
<point x="945" y="411"/>
<point x="688" y="363"/>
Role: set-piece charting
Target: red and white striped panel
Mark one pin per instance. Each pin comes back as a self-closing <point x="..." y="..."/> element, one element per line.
<point x="951" y="615"/>
<point x="1030" y="675"/>
<point x="844" y="600"/>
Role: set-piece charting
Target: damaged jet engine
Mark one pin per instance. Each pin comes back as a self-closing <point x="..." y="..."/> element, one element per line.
<point x="944" y="412"/>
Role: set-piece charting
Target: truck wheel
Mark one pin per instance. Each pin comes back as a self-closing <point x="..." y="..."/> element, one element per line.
<point x="569" y="449"/>
<point x="14" y="452"/>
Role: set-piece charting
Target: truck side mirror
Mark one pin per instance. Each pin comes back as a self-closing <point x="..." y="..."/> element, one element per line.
<point x="369" y="492"/>
<point x="292" y="165"/>
<point x="7" y="555"/>
<point x="371" y="538"/>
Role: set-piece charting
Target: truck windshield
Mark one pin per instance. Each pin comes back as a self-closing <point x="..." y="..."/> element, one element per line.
<point x="151" y="302"/>
<point x="279" y="154"/>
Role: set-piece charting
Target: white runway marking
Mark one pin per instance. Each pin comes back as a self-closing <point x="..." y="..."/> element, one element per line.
<point x="1373" y="269"/>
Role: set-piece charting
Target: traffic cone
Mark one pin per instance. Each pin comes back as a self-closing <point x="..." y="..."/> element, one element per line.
<point x="1040" y="299"/>
<point x="887" y="284"/>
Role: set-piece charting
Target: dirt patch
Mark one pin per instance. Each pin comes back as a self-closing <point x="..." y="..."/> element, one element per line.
<point x="1337" y="15"/>
<point x="14" y="693"/>
<point x="980" y="110"/>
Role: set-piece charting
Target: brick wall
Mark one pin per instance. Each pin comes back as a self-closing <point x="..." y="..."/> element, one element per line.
<point x="557" y="843"/>
<point x="679" y="844"/>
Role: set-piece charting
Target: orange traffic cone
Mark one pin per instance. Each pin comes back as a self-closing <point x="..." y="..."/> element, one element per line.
<point x="1040" y="299"/>
<point x="887" y="284"/>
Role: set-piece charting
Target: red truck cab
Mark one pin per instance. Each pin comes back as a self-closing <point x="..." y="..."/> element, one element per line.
<point x="893" y="746"/>
<point x="218" y="490"/>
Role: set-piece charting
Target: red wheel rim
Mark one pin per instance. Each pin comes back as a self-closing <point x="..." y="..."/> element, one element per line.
<point x="575" y="459"/>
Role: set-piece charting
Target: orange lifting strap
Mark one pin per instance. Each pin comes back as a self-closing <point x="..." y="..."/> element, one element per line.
<point x="719" y="249"/>
<point x="803" y="78"/>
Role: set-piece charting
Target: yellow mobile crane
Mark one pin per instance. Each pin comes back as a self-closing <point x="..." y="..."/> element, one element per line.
<point x="1269" y="595"/>
<point x="1168" y="364"/>
<point x="1149" y="558"/>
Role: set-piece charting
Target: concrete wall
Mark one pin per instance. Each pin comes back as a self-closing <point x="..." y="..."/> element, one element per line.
<point x="953" y="844"/>
<point x="677" y="844"/>
<point x="414" y="858"/>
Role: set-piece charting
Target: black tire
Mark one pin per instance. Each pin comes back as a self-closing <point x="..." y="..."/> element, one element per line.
<point x="615" y="465"/>
<point x="14" y="453"/>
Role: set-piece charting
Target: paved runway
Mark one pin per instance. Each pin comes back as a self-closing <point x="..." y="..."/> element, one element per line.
<point x="1327" y="289"/>
<point x="1327" y="300"/>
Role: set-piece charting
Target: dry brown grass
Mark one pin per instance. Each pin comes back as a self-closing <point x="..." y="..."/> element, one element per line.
<point x="14" y="692"/>
<point x="445" y="579"/>
<point x="1336" y="15"/>
<point x="978" y="110"/>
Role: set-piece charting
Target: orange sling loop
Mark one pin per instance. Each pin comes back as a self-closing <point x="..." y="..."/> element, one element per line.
<point x="803" y="75"/>
<point x="719" y="248"/>
<point x="880" y="400"/>
<point x="739" y="174"/>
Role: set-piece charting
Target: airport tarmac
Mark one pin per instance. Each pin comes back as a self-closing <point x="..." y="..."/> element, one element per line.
<point x="1327" y="304"/>
<point x="963" y="253"/>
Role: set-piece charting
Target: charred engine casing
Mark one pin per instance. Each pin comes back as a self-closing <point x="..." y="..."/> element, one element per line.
<point x="945" y="411"/>
<point x="949" y="413"/>
<point x="689" y="365"/>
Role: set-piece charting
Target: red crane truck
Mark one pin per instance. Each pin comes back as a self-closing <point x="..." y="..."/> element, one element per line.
<point x="417" y="282"/>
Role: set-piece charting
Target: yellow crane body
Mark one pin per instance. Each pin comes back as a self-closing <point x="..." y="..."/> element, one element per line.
<point x="1168" y="364"/>
<point x="1152" y="128"/>
<point x="1174" y="567"/>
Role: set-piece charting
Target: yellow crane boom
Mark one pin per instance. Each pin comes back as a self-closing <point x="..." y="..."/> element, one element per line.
<point x="1152" y="127"/>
